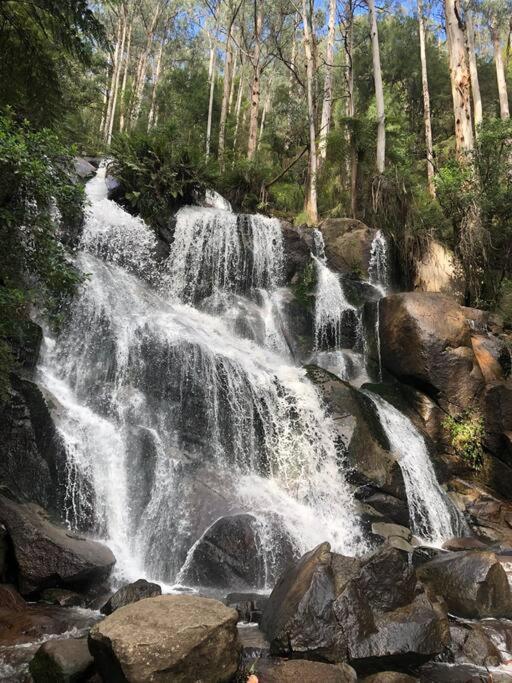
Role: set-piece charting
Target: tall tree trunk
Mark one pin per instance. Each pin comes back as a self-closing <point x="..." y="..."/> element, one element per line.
<point x="325" y="122"/>
<point x="266" y="108"/>
<point x="156" y="79"/>
<point x="122" y="115"/>
<point x="120" y="54"/>
<point x="143" y="64"/>
<point x="473" y="69"/>
<point x="379" y="90"/>
<point x="350" y="104"/>
<point x="426" y="102"/>
<point x="211" y="81"/>
<point x="460" y="80"/>
<point x="228" y="62"/>
<point x="115" y="60"/>
<point x="311" y="202"/>
<point x="255" y="85"/>
<point x="500" y="70"/>
<point x="238" y="106"/>
<point x="236" y="61"/>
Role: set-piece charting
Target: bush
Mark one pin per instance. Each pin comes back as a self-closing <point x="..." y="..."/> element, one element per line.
<point x="466" y="435"/>
<point x="37" y="197"/>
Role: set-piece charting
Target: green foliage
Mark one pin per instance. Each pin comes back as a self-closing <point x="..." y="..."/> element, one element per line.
<point x="158" y="172"/>
<point x="304" y="289"/>
<point x="466" y="436"/>
<point x="44" y="45"/>
<point x="37" y="198"/>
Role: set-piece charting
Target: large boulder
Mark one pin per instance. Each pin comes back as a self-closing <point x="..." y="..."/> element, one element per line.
<point x="174" y="638"/>
<point x="334" y="607"/>
<point x="441" y="672"/>
<point x="132" y="592"/>
<point x="62" y="661"/>
<point x="228" y="554"/>
<point x="348" y="245"/>
<point x="439" y="271"/>
<point x="426" y="342"/>
<point x="473" y="584"/>
<point x="48" y="555"/>
<point x="32" y="457"/>
<point x="303" y="671"/>
<point x="298" y="245"/>
<point x="358" y="426"/>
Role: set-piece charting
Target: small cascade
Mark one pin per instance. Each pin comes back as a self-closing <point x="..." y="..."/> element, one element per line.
<point x="378" y="267"/>
<point x="170" y="416"/>
<point x="433" y="516"/>
<point x="331" y="307"/>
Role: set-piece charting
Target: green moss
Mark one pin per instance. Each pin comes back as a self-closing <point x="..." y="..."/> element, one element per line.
<point x="304" y="289"/>
<point x="467" y="433"/>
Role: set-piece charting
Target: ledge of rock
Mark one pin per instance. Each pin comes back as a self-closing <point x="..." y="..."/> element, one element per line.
<point x="62" y="661"/>
<point x="170" y="638"/>
<point x="133" y="592"/>
<point x="48" y="555"/>
<point x="303" y="671"/>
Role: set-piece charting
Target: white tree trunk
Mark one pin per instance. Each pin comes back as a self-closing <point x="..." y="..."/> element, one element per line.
<point x="211" y="80"/>
<point x="115" y="60"/>
<point x="379" y="90"/>
<point x="473" y="69"/>
<point x="122" y="116"/>
<point x="327" y="100"/>
<point x="113" y="105"/>
<point x="266" y="109"/>
<point x="228" y="65"/>
<point x="311" y="203"/>
<point x="500" y="71"/>
<point x="238" y="107"/>
<point x="156" y="79"/>
<point x="460" y="81"/>
<point x="426" y="102"/>
<point x="255" y="85"/>
<point x="143" y="65"/>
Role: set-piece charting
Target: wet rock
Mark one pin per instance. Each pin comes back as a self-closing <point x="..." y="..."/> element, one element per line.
<point x="26" y="344"/>
<point x="50" y="556"/>
<point x="249" y="606"/>
<point x="83" y="168"/>
<point x="465" y="543"/>
<point x="298" y="616"/>
<point x="297" y="326"/>
<point x="295" y="670"/>
<point x="62" y="661"/>
<point x="389" y="677"/>
<point x="426" y="342"/>
<point x="390" y="507"/>
<point x="132" y="592"/>
<point x="395" y="535"/>
<point x="347" y="245"/>
<point x="174" y="638"/>
<point x="228" y="554"/>
<point x="355" y="419"/>
<point x="62" y="597"/>
<point x="10" y="599"/>
<point x="32" y="465"/>
<point x="471" y="644"/>
<point x="297" y="249"/>
<point x="473" y="584"/>
<point x="438" y="672"/>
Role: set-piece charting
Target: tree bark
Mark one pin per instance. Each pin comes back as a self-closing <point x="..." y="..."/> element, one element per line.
<point x="255" y="85"/>
<point x="311" y="202"/>
<point x="122" y="116"/>
<point x="379" y="90"/>
<point x="266" y="109"/>
<point x="238" y="107"/>
<point x="113" y="104"/>
<point x="460" y="80"/>
<point x="142" y="65"/>
<point x="156" y="79"/>
<point x="115" y="60"/>
<point x="225" y="97"/>
<point x="350" y="104"/>
<point x="327" y="99"/>
<point x="473" y="69"/>
<point x="500" y="70"/>
<point x="426" y="102"/>
<point x="211" y="81"/>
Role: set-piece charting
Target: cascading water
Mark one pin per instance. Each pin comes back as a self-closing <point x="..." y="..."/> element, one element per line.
<point x="169" y="418"/>
<point x="434" y="518"/>
<point x="331" y="307"/>
<point x="378" y="267"/>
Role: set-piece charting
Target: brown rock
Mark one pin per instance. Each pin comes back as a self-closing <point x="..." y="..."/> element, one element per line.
<point x="347" y="244"/>
<point x="439" y="271"/>
<point x="132" y="592"/>
<point x="389" y="677"/>
<point x="170" y="638"/>
<point x="303" y="671"/>
<point x="62" y="661"/>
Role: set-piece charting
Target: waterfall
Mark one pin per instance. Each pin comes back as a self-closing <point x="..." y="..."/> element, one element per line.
<point x="169" y="417"/>
<point x="378" y="267"/>
<point x="330" y="307"/>
<point x="434" y="518"/>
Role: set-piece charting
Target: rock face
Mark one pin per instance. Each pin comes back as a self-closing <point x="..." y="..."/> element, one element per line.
<point x="48" y="555"/>
<point x="298" y="244"/>
<point x="33" y="459"/>
<point x="228" y="555"/>
<point x="133" y="592"/>
<point x="174" y="638"/>
<point x="295" y="670"/>
<point x="439" y="271"/>
<point x="336" y="608"/>
<point x="62" y="661"/>
<point x="426" y="342"/>
<point x="473" y="584"/>
<point x="347" y="245"/>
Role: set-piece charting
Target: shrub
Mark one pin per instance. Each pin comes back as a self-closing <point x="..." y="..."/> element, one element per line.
<point x="467" y="432"/>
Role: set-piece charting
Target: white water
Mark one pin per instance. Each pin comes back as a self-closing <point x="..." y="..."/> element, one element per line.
<point x="378" y="267"/>
<point x="169" y="418"/>
<point x="434" y="519"/>
<point x="330" y="307"/>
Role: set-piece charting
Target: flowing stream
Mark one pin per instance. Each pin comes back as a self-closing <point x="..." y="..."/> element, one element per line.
<point x="171" y="418"/>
